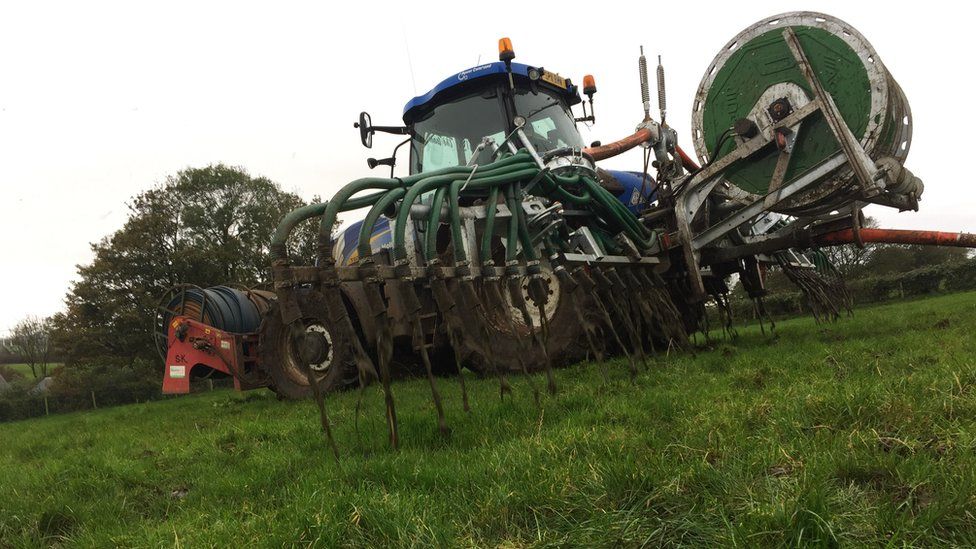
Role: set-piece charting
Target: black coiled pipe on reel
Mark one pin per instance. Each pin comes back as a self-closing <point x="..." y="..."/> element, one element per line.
<point x="226" y="308"/>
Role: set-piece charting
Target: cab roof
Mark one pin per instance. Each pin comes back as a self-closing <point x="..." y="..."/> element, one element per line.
<point x="462" y="81"/>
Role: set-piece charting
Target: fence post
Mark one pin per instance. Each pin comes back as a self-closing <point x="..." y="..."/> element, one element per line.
<point x="47" y="410"/>
<point x="210" y="382"/>
<point x="94" y="405"/>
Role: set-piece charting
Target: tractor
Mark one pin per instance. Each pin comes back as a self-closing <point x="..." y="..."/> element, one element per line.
<point x="505" y="248"/>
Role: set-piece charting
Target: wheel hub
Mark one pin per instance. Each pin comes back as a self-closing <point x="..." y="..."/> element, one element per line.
<point x="317" y="348"/>
<point x="550" y="307"/>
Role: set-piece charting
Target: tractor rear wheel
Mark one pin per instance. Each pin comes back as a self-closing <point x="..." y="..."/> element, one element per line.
<point x="330" y="363"/>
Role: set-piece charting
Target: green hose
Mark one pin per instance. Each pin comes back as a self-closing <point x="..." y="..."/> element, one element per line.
<point x="528" y="249"/>
<point x="279" y="240"/>
<point x="342" y="200"/>
<point x="511" y="244"/>
<point x="433" y="224"/>
<point x="554" y="187"/>
<point x="509" y="171"/>
<point x="619" y="215"/>
<point x="502" y="170"/>
<point x="339" y="203"/>
<point x="460" y="255"/>
<point x="366" y="229"/>
<point x="485" y="182"/>
<point x="491" y="208"/>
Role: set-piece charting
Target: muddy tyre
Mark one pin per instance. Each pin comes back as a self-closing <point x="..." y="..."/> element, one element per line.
<point x="566" y="343"/>
<point x="332" y="365"/>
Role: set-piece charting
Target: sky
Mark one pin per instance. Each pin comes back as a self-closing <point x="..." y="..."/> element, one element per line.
<point x="102" y="100"/>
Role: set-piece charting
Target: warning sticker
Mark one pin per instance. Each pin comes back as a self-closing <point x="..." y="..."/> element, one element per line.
<point x="224" y="344"/>
<point x="177" y="372"/>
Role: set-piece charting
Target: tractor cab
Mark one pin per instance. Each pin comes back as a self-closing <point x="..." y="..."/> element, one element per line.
<point x="468" y="116"/>
<point x="448" y="123"/>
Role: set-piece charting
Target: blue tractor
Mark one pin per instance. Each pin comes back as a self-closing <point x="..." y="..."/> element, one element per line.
<point x="504" y="248"/>
<point x="447" y="124"/>
<point x="475" y="298"/>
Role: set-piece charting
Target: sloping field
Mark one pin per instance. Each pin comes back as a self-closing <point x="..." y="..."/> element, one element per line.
<point x="857" y="432"/>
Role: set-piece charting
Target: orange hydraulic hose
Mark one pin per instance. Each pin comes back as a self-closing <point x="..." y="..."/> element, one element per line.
<point x="617" y="147"/>
<point x="631" y="141"/>
<point x="896" y="236"/>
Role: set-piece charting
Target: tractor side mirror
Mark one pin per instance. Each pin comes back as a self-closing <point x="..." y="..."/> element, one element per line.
<point x="367" y="129"/>
<point x="373" y="162"/>
<point x="365" y="126"/>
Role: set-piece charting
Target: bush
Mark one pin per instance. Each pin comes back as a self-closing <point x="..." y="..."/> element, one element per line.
<point x="73" y="387"/>
<point x="112" y="385"/>
<point x="10" y="374"/>
<point x="946" y="277"/>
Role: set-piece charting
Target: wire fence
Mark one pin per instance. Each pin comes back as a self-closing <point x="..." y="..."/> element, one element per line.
<point x="22" y="400"/>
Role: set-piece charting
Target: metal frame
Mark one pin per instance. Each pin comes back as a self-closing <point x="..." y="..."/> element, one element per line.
<point x="697" y="189"/>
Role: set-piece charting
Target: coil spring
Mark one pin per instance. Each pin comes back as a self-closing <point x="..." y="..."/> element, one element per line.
<point x="662" y="100"/>
<point x="645" y="92"/>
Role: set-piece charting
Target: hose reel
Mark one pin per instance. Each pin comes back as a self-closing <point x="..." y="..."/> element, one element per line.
<point x="756" y="78"/>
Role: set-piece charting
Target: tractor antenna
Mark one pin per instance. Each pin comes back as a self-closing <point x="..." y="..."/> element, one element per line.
<point x="406" y="46"/>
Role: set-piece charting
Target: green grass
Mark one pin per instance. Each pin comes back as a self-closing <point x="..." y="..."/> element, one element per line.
<point x="859" y="432"/>
<point x="25" y="369"/>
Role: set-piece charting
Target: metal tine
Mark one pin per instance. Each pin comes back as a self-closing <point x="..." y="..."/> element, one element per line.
<point x="445" y="302"/>
<point x="673" y="317"/>
<point x="539" y="293"/>
<point x="411" y="311"/>
<point x="667" y="314"/>
<point x="297" y="335"/>
<point x="365" y="369"/>
<point x="631" y="308"/>
<point x="470" y="301"/>
<point x="591" y="288"/>
<point x="644" y="308"/>
<point x="492" y="288"/>
<point x="567" y="280"/>
<point x="606" y="287"/>
<point x="384" y="342"/>
<point x="345" y="333"/>
<point x="515" y="294"/>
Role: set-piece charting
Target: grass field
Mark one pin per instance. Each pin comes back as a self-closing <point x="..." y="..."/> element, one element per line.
<point x="859" y="432"/>
<point x="25" y="370"/>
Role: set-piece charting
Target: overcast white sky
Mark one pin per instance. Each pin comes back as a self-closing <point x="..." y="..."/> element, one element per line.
<point x="100" y="100"/>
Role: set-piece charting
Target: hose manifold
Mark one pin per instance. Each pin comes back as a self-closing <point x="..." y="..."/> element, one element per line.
<point x="401" y="268"/>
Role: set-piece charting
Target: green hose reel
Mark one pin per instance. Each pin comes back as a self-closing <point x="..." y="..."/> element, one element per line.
<point x="756" y="69"/>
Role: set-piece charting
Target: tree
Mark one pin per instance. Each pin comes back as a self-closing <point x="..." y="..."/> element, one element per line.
<point x="31" y="338"/>
<point x="850" y="259"/>
<point x="203" y="226"/>
<point x="897" y="258"/>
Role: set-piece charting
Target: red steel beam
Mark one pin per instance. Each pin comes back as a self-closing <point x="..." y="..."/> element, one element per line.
<point x="686" y="160"/>
<point x="897" y="236"/>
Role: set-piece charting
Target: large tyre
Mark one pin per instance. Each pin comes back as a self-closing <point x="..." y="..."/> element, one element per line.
<point x="333" y="366"/>
<point x="566" y="342"/>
